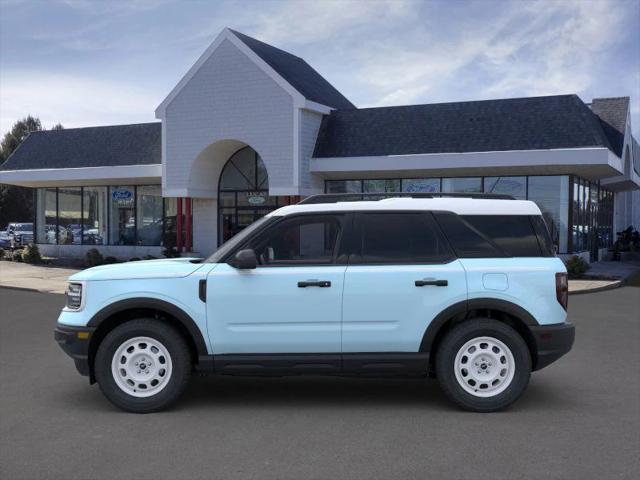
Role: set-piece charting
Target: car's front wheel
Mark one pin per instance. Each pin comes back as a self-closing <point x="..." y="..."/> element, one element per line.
<point x="483" y="365"/>
<point x="143" y="365"/>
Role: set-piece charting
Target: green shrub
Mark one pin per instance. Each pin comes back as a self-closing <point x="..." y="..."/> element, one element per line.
<point x="31" y="254"/>
<point x="1" y="253"/>
<point x="576" y="266"/>
<point x="109" y="260"/>
<point x="171" y="252"/>
<point x="16" y="256"/>
<point x="93" y="258"/>
<point x="149" y="257"/>
<point x="134" y="259"/>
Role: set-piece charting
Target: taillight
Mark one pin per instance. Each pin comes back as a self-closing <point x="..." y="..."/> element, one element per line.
<point x="562" y="289"/>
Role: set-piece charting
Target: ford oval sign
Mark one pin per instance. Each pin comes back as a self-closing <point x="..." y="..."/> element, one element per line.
<point x="254" y="199"/>
<point x="121" y="194"/>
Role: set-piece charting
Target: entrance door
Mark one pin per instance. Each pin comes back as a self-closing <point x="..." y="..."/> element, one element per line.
<point x="291" y="303"/>
<point x="243" y="193"/>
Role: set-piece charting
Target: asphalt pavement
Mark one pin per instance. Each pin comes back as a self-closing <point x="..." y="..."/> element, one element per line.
<point x="579" y="419"/>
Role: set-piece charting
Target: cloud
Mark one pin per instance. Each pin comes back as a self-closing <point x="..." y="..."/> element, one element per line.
<point x="72" y="100"/>
<point x="532" y="48"/>
<point x="302" y="22"/>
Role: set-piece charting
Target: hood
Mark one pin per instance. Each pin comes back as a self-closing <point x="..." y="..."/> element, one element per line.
<point x="164" y="268"/>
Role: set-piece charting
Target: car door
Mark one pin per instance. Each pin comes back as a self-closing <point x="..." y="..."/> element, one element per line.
<point x="290" y="303"/>
<point x="403" y="275"/>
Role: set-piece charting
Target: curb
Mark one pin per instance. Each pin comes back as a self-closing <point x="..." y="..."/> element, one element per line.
<point x="28" y="289"/>
<point x="611" y="286"/>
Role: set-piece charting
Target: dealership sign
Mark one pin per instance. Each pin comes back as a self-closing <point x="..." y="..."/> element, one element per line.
<point x="255" y="198"/>
<point x="122" y="196"/>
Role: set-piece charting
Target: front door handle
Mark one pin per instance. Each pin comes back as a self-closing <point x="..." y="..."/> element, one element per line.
<point x="314" y="283"/>
<point x="431" y="282"/>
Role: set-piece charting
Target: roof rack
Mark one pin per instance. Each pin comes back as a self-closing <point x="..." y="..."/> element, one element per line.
<point x="358" y="197"/>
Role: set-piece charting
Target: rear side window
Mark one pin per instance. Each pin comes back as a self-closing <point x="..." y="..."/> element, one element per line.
<point x="481" y="236"/>
<point x="394" y="238"/>
<point x="467" y="242"/>
<point x="514" y="234"/>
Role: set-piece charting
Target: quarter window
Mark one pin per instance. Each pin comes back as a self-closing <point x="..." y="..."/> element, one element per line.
<point x="309" y="240"/>
<point x="514" y="234"/>
<point x="401" y="238"/>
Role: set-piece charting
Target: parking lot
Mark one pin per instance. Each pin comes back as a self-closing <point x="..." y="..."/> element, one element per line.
<point x="580" y="417"/>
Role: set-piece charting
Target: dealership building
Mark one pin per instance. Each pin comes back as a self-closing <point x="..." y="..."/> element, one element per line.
<point x="250" y="128"/>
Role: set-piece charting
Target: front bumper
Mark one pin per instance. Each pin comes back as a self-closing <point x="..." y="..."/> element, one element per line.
<point x="75" y="343"/>
<point x="552" y="342"/>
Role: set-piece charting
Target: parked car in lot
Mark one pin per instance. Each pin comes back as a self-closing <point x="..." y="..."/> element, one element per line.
<point x="17" y="235"/>
<point x="464" y="289"/>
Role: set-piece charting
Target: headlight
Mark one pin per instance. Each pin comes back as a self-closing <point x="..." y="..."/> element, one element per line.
<point x="74" y="296"/>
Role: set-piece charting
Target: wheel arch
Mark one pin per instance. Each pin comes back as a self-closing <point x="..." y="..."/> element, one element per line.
<point x="121" y="311"/>
<point x="507" y="312"/>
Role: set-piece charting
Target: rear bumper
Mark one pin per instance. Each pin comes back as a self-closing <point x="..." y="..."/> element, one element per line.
<point x="75" y="343"/>
<point x="552" y="342"/>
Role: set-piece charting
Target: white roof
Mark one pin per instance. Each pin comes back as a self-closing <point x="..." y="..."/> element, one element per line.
<point x="461" y="206"/>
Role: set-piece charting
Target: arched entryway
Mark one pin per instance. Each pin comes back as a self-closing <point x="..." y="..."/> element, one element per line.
<point x="243" y="193"/>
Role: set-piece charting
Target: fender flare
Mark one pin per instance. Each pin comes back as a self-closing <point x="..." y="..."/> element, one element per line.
<point x="461" y="309"/>
<point x="153" y="303"/>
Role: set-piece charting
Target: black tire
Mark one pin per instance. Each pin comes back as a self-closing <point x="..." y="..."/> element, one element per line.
<point x="177" y="348"/>
<point x="457" y="338"/>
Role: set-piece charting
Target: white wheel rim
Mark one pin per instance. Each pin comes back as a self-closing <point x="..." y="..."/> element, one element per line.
<point x="484" y="367"/>
<point x="141" y="367"/>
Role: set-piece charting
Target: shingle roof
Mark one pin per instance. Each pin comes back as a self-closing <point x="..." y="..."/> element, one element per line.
<point x="114" y="145"/>
<point x="533" y="123"/>
<point x="298" y="73"/>
<point x="613" y="116"/>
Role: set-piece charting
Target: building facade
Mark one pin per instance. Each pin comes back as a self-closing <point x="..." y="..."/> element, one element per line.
<point x="250" y="128"/>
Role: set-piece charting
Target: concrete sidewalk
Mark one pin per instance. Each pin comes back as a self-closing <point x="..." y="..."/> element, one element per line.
<point x="50" y="279"/>
<point x="41" y="278"/>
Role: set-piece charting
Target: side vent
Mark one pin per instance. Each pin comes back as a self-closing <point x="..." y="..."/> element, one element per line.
<point x="202" y="290"/>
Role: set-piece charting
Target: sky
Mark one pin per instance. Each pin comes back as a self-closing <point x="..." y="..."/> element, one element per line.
<point x="86" y="63"/>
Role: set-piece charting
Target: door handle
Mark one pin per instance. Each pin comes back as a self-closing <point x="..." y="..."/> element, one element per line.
<point x="431" y="282"/>
<point x="314" y="283"/>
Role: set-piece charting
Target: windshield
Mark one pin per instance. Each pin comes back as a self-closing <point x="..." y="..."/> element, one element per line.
<point x="23" y="227"/>
<point x="233" y="242"/>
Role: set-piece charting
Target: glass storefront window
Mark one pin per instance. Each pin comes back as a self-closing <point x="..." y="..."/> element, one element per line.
<point x="46" y="215"/>
<point x="149" y="214"/>
<point x="380" y="186"/>
<point x="70" y="216"/>
<point x="343" y="186"/>
<point x="551" y="194"/>
<point x="514" y="186"/>
<point x="94" y="216"/>
<point x="169" y="237"/>
<point x="421" y="185"/>
<point x="243" y="193"/>
<point x="122" y="219"/>
<point x="462" y="185"/>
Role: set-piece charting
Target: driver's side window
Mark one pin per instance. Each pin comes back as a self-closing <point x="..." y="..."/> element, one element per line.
<point x="309" y="240"/>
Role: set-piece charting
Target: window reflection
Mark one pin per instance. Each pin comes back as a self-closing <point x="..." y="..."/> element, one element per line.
<point x="69" y="216"/>
<point x="94" y="227"/>
<point x="46" y="215"/>
<point x="149" y="215"/>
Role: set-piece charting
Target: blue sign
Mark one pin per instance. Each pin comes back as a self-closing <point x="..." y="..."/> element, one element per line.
<point x="121" y="194"/>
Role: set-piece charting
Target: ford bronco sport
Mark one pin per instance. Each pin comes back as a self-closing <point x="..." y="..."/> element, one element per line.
<point x="468" y="290"/>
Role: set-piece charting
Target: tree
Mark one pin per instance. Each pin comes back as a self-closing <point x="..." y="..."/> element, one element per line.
<point x="16" y="203"/>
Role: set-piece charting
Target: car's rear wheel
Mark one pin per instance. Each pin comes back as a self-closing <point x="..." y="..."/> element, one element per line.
<point x="143" y="365"/>
<point x="483" y="365"/>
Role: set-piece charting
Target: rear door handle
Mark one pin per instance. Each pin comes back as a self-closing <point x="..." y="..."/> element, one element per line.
<point x="431" y="282"/>
<point x="314" y="283"/>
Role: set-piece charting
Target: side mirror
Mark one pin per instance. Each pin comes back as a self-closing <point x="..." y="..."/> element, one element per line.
<point x="244" y="260"/>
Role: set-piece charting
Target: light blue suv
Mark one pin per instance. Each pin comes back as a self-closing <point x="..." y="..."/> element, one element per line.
<point x="468" y="290"/>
